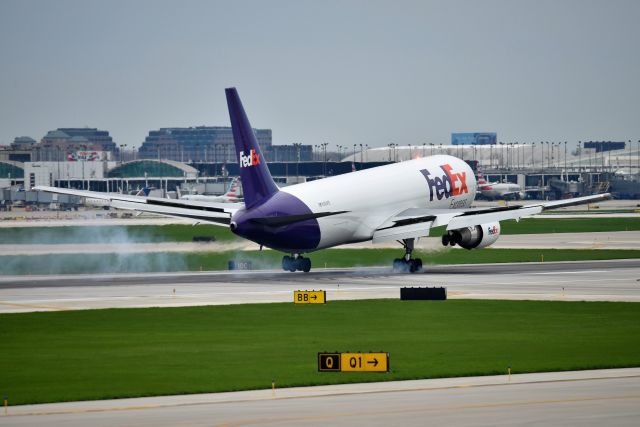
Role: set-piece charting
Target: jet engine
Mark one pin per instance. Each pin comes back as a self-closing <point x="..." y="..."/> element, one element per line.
<point x="476" y="237"/>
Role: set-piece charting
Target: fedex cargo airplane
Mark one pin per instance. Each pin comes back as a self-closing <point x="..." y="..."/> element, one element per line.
<point x="398" y="202"/>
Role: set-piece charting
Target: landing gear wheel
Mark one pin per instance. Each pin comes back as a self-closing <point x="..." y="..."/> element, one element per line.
<point x="306" y="264"/>
<point x="286" y="261"/>
<point x="408" y="264"/>
<point x="289" y="263"/>
<point x="293" y="264"/>
<point x="415" y="265"/>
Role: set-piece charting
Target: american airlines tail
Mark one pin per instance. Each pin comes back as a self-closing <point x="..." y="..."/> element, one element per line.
<point x="481" y="180"/>
<point x="257" y="183"/>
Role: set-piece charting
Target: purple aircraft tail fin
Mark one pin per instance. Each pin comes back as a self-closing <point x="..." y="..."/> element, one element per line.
<point x="257" y="184"/>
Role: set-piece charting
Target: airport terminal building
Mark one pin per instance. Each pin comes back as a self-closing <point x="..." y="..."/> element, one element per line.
<point x="196" y="144"/>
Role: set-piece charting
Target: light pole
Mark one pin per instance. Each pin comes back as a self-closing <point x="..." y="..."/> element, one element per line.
<point x="490" y="156"/>
<point x="58" y="177"/>
<point x="324" y="164"/>
<point x="548" y="158"/>
<point x="638" y="156"/>
<point x="297" y="146"/>
<point x="565" y="161"/>
<point x="508" y="155"/>
<point x="579" y="157"/>
<point x="533" y="165"/>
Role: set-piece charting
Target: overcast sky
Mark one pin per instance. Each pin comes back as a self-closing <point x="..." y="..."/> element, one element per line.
<point x="343" y="72"/>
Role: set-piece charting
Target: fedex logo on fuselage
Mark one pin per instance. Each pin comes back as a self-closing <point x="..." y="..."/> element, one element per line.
<point x="447" y="185"/>
<point x="253" y="159"/>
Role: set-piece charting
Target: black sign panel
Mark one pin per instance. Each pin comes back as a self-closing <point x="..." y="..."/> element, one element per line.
<point x="329" y="362"/>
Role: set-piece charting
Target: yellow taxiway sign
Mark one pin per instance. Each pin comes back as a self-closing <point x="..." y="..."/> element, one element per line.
<point x="353" y="362"/>
<point x="309" y="297"/>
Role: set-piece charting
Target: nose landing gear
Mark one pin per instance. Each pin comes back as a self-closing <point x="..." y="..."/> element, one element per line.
<point x="407" y="264"/>
<point x="296" y="263"/>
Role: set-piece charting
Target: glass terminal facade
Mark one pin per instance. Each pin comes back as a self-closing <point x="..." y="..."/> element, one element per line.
<point x="197" y="144"/>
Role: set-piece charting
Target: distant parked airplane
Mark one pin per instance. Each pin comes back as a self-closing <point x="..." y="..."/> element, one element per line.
<point x="400" y="202"/>
<point x="499" y="190"/>
<point x="231" y="196"/>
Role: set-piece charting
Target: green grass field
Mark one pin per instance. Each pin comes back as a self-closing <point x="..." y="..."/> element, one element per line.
<point x="185" y="233"/>
<point x="267" y="259"/>
<point x="95" y="354"/>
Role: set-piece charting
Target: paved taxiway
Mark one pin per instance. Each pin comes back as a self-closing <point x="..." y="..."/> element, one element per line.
<point x="601" y="397"/>
<point x="608" y="240"/>
<point x="617" y="280"/>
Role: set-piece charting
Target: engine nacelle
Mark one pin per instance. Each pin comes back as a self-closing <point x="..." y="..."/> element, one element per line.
<point x="476" y="237"/>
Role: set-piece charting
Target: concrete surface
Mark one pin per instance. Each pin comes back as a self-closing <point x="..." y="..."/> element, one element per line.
<point x="577" y="398"/>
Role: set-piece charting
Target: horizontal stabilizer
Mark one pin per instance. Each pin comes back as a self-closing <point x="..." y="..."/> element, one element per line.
<point x="277" y="221"/>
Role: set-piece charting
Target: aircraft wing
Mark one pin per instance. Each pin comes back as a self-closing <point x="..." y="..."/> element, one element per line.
<point x="511" y="193"/>
<point x="216" y="213"/>
<point x="416" y="222"/>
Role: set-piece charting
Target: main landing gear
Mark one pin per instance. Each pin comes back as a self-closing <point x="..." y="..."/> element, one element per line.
<point x="407" y="264"/>
<point x="296" y="262"/>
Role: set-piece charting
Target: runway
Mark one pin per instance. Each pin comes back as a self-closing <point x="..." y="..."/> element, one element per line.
<point x="609" y="240"/>
<point x="600" y="397"/>
<point x="617" y="280"/>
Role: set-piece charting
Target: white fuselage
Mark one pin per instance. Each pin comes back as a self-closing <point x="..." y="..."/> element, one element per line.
<point x="372" y="196"/>
<point x="497" y="190"/>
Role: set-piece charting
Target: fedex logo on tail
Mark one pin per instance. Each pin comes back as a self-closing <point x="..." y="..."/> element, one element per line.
<point x="447" y="185"/>
<point x="253" y="159"/>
